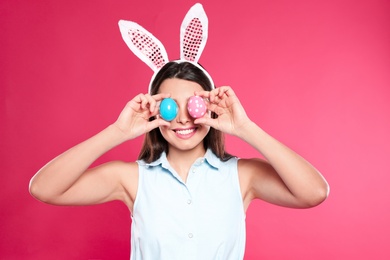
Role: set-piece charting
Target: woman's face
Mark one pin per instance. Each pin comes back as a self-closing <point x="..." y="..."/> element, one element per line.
<point x="182" y="134"/>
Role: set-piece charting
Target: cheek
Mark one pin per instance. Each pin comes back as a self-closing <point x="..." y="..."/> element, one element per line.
<point x="163" y="130"/>
<point x="205" y="129"/>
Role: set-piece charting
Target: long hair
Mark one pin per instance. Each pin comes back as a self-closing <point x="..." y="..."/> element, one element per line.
<point x="154" y="143"/>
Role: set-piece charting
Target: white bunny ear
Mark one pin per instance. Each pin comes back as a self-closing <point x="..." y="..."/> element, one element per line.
<point x="143" y="44"/>
<point x="193" y="33"/>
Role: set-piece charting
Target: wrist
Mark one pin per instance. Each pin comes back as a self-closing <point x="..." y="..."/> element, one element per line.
<point x="245" y="129"/>
<point x="115" y="134"/>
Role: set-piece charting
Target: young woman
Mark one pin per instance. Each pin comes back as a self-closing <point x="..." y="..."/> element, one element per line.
<point x="187" y="195"/>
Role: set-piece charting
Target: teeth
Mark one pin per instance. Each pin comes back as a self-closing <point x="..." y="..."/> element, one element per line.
<point x="185" y="132"/>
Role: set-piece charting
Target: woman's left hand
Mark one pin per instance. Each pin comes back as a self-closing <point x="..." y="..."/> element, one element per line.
<point x="224" y="102"/>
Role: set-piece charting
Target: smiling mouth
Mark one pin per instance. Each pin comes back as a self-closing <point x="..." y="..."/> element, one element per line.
<point x="185" y="131"/>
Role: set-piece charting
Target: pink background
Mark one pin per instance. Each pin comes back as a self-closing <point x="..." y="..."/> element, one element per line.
<point x="314" y="74"/>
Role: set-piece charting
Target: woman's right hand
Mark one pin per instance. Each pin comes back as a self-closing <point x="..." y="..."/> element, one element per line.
<point x="133" y="121"/>
<point x="68" y="179"/>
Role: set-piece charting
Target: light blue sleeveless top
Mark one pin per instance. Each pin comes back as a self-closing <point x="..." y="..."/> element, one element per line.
<point x="203" y="218"/>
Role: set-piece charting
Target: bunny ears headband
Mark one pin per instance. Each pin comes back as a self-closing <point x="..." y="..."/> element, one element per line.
<point x="193" y="37"/>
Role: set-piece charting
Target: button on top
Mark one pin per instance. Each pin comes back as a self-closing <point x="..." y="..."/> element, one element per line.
<point x="193" y="170"/>
<point x="189" y="201"/>
<point x="190" y="235"/>
<point x="199" y="161"/>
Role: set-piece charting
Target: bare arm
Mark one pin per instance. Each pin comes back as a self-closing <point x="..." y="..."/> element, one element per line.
<point x="68" y="180"/>
<point x="66" y="177"/>
<point x="284" y="178"/>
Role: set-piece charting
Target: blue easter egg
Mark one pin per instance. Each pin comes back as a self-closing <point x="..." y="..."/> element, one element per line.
<point x="168" y="109"/>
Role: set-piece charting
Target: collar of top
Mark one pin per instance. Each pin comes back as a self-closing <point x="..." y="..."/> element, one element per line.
<point x="209" y="157"/>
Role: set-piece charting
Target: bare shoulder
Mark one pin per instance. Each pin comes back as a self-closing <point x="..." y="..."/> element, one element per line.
<point x="259" y="180"/>
<point x="250" y="165"/>
<point x="119" y="181"/>
<point x="251" y="171"/>
<point x="128" y="172"/>
<point x="128" y="169"/>
<point x="253" y="168"/>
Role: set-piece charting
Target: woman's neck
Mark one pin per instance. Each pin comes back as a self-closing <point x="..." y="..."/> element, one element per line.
<point x="181" y="160"/>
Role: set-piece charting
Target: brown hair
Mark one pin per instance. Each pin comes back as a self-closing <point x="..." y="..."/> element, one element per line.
<point x="154" y="143"/>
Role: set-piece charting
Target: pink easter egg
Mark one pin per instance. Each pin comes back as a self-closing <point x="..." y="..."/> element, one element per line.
<point x="196" y="107"/>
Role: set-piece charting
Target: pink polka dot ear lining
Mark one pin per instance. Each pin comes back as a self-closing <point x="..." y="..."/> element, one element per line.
<point x="193" y="38"/>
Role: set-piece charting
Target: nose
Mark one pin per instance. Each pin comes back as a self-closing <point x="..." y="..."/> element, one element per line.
<point x="182" y="115"/>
